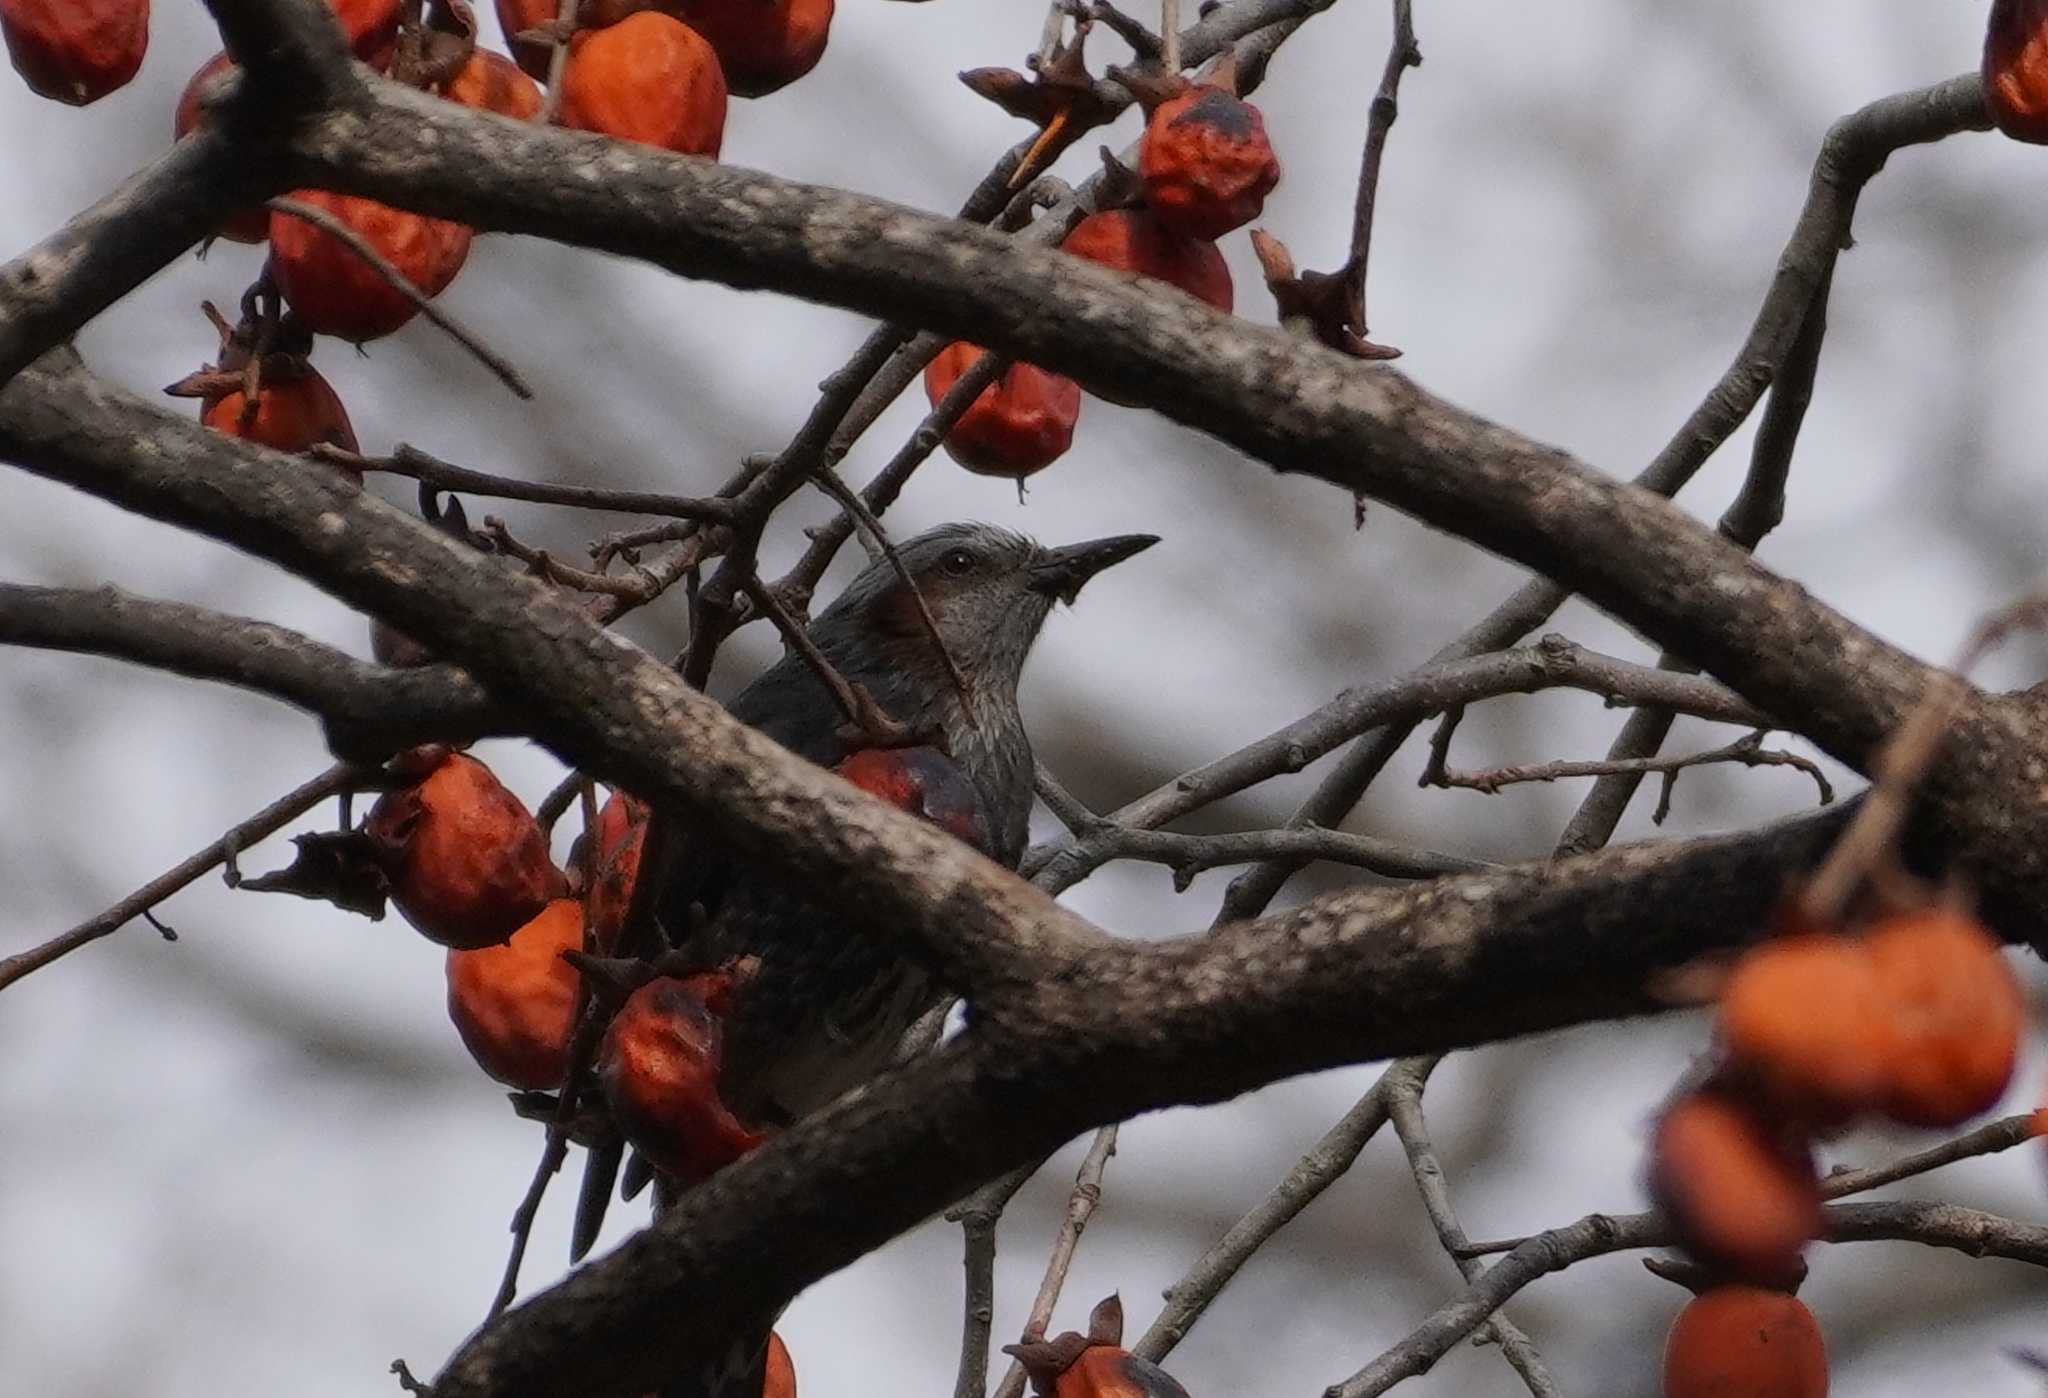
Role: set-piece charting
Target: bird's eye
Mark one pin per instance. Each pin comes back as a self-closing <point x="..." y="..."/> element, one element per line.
<point x="958" y="564"/>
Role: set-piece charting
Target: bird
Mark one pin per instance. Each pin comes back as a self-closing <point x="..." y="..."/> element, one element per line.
<point x="823" y="1007"/>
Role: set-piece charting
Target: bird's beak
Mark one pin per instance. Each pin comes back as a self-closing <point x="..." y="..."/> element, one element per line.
<point x="1061" y="572"/>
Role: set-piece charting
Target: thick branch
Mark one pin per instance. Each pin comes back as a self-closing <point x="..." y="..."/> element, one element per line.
<point x="1297" y="406"/>
<point x="1071" y="1030"/>
<point x="370" y="711"/>
<point x="1855" y="149"/>
<point x="54" y="288"/>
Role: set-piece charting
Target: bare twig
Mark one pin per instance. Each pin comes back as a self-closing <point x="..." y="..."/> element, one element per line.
<point x="1855" y="150"/>
<point x="1436" y="771"/>
<point x="854" y="702"/>
<point x="828" y="480"/>
<point x="1935" y="1225"/>
<point x="1553" y="663"/>
<point x="408" y="1382"/>
<point x="1144" y="43"/>
<point x="638" y="587"/>
<point x="552" y="1155"/>
<point x="1189" y="855"/>
<point x="888" y="483"/>
<point x="1756" y="510"/>
<point x="558" y="62"/>
<point x="978" y="1216"/>
<point x="1080" y="1208"/>
<point x="1324" y="1164"/>
<point x="1404" y="1105"/>
<point x="1169" y="35"/>
<point x="1746" y="751"/>
<point x="557" y="801"/>
<point x="268" y="821"/>
<point x="1404" y="54"/>
<point x="1988" y="1139"/>
<point x="1070" y="809"/>
<point x="403" y="285"/>
<point x="414" y="464"/>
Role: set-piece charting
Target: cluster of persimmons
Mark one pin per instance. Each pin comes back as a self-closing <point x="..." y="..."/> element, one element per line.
<point x="534" y="950"/>
<point x="1205" y="168"/>
<point x="1913" y="1015"/>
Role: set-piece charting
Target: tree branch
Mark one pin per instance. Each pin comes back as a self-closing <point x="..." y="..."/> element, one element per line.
<point x="1404" y="1104"/>
<point x="369" y="711"/>
<point x="1553" y="663"/>
<point x="1855" y="149"/>
<point x="1934" y="1225"/>
<point x="265" y="822"/>
<point x="411" y="462"/>
<point x="1081" y="1204"/>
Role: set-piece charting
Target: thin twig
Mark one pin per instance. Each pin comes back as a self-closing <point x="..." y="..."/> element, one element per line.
<point x="1553" y="663"/>
<point x="558" y="62"/>
<point x="828" y="480"/>
<point x="1746" y="751"/>
<point x="881" y="492"/>
<point x="1969" y="1231"/>
<point x="414" y="464"/>
<point x="1144" y="43"/>
<point x="1189" y="855"/>
<point x="1324" y="1164"/>
<point x="636" y="587"/>
<point x="1169" y="35"/>
<point x="1080" y="1208"/>
<point x="1756" y="510"/>
<point x="978" y="1216"/>
<point x="1435" y="771"/>
<point x="558" y="801"/>
<point x="1070" y="810"/>
<point x="1404" y="1105"/>
<point x="266" y="822"/>
<point x="854" y="702"/>
<point x="1855" y="150"/>
<point x="1404" y="54"/>
<point x="403" y="285"/>
<point x="1988" y="1139"/>
<point x="552" y="1156"/>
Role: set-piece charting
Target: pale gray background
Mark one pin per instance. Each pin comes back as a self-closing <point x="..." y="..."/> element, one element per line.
<point x="258" y="1162"/>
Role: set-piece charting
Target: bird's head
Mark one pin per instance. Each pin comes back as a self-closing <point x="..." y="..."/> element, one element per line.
<point x="989" y="591"/>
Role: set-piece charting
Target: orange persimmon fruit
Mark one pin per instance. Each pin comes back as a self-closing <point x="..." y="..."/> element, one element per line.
<point x="1806" y="1020"/>
<point x="2015" y="69"/>
<point x="649" y="78"/>
<point x="292" y="414"/>
<point x="1206" y="162"/>
<point x="467" y="863"/>
<point x="762" y="45"/>
<point x="1959" y="1013"/>
<point x="75" y="51"/>
<point x="337" y="293"/>
<point x="658" y="1065"/>
<point x="515" y="1005"/>
<point x="491" y="82"/>
<point x="1745" y="1342"/>
<point x="1739" y="1188"/>
<point x="1017" y="426"/>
